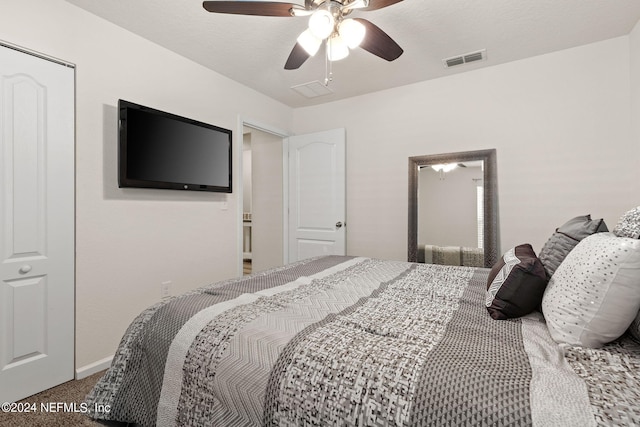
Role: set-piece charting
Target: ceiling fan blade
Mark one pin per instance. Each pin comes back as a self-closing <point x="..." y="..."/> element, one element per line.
<point x="260" y="8"/>
<point x="378" y="42"/>
<point x="296" y="58"/>
<point x="379" y="4"/>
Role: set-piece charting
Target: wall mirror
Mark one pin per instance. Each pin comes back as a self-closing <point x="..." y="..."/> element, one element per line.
<point x="453" y="209"/>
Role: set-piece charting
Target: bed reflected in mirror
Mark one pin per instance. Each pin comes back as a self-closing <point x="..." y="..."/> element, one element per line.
<point x="453" y="209"/>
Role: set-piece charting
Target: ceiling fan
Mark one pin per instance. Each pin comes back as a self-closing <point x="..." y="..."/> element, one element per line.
<point x="328" y="23"/>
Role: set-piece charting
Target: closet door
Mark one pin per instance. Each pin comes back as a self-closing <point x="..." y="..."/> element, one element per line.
<point x="36" y="224"/>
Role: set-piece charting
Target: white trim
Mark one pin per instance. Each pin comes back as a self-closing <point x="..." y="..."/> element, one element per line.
<point x="285" y="200"/>
<point x="253" y="124"/>
<point x="92" y="368"/>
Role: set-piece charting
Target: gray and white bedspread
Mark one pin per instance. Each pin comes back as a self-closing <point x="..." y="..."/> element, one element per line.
<point x="341" y="341"/>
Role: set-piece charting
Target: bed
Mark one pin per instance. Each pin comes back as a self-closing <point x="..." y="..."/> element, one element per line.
<point x="353" y="341"/>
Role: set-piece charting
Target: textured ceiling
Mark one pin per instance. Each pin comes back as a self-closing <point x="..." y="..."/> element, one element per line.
<point x="252" y="50"/>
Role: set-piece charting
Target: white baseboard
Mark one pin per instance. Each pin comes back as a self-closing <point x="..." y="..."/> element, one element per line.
<point x="92" y="368"/>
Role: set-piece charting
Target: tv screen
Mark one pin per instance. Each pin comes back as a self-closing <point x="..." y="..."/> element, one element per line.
<point x="162" y="150"/>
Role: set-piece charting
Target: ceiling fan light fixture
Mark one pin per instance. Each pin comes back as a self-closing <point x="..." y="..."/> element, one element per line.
<point x="309" y="42"/>
<point x="337" y="48"/>
<point x="352" y="32"/>
<point x="447" y="167"/>
<point x="321" y="23"/>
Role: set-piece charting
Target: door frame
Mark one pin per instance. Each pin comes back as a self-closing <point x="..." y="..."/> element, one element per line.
<point x="284" y="135"/>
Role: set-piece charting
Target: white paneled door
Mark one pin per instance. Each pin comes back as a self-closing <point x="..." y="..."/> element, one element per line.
<point x="36" y="224"/>
<point x="317" y="207"/>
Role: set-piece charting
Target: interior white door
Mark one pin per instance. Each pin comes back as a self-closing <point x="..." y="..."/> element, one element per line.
<point x="317" y="205"/>
<point x="36" y="224"/>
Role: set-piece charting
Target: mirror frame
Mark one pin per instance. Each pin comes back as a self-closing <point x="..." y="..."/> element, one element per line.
<point x="490" y="183"/>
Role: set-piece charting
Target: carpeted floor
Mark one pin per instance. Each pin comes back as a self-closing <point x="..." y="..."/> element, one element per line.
<point x="69" y="392"/>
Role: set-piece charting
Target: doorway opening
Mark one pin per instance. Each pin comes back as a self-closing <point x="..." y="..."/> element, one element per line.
<point x="262" y="198"/>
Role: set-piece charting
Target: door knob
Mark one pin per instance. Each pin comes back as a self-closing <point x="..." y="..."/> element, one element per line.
<point x="338" y="224"/>
<point x="25" y="269"/>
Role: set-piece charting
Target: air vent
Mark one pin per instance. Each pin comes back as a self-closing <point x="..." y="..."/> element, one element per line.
<point x="479" y="55"/>
<point x="312" y="89"/>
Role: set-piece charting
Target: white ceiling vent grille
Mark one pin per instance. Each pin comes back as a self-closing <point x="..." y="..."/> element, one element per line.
<point x="479" y="55"/>
<point x="312" y="89"/>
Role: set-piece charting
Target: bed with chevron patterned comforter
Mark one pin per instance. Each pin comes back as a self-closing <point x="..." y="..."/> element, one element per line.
<point x="346" y="341"/>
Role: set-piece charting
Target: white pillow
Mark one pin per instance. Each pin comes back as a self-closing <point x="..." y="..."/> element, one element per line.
<point x="629" y="224"/>
<point x="594" y="294"/>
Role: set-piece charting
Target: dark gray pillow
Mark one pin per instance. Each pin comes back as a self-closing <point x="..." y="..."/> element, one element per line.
<point x="566" y="238"/>
<point x="516" y="284"/>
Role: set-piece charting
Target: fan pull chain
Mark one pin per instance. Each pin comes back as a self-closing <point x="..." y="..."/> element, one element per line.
<point x="328" y="68"/>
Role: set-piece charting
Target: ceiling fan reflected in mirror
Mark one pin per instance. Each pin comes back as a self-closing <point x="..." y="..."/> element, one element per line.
<point x="328" y="23"/>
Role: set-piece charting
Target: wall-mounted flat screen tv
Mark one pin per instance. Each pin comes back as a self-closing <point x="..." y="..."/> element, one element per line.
<point x="162" y="150"/>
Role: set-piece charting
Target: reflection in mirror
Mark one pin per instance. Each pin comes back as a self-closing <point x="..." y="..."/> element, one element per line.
<point x="452" y="209"/>
<point x="450" y="214"/>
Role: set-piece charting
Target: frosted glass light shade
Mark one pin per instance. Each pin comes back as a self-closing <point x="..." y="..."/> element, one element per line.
<point x="321" y="24"/>
<point x="352" y="32"/>
<point x="309" y="42"/>
<point x="337" y="49"/>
